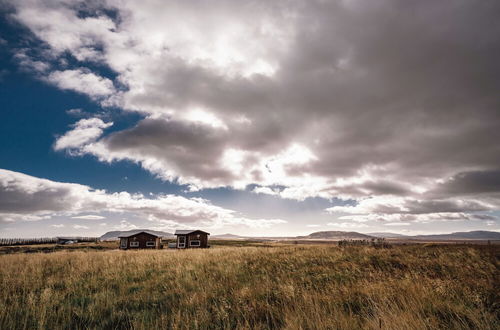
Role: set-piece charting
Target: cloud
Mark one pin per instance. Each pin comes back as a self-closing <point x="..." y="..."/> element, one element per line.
<point x="58" y="226"/>
<point x="80" y="227"/>
<point x="189" y="152"/>
<point x="397" y="224"/>
<point x="29" y="64"/>
<point x="470" y="182"/>
<point x="396" y="209"/>
<point x="125" y="225"/>
<point x="408" y="205"/>
<point x="385" y="218"/>
<point x="23" y="197"/>
<point x="84" y="131"/>
<point x="347" y="225"/>
<point x="89" y="217"/>
<point x="76" y="112"/>
<point x="265" y="190"/>
<point x="82" y="81"/>
<point x="374" y="103"/>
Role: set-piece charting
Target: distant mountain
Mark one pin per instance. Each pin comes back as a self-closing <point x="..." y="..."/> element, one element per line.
<point x="336" y="235"/>
<point x="229" y="236"/>
<point x="388" y="235"/>
<point x="113" y="235"/>
<point x="469" y="235"/>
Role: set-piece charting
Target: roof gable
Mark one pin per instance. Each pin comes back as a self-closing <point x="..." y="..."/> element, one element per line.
<point x="137" y="233"/>
<point x="189" y="231"/>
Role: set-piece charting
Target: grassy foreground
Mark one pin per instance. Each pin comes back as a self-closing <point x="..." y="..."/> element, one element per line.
<point x="294" y="287"/>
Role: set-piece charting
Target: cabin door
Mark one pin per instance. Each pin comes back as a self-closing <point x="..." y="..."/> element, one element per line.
<point x="182" y="242"/>
<point x="123" y="243"/>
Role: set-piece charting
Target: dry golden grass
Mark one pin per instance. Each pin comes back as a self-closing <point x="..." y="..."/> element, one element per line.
<point x="293" y="287"/>
<point x="48" y="248"/>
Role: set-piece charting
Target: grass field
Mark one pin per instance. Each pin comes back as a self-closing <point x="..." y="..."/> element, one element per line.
<point x="258" y="287"/>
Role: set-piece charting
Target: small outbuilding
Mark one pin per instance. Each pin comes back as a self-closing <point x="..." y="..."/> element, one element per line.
<point x="140" y="240"/>
<point x="191" y="238"/>
<point x="66" y="240"/>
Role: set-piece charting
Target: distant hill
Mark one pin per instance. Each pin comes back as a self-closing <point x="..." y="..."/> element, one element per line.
<point x="469" y="235"/>
<point x="229" y="236"/>
<point x="336" y="235"/>
<point x="388" y="235"/>
<point x="113" y="235"/>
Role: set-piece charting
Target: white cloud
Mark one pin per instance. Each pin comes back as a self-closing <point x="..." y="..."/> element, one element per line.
<point x="89" y="217"/>
<point x="347" y="225"/>
<point x="28" y="63"/>
<point x="85" y="131"/>
<point x="417" y="218"/>
<point x="76" y="112"/>
<point x="265" y="190"/>
<point x="58" y="226"/>
<point x="394" y="210"/>
<point x="82" y="81"/>
<point x="125" y="225"/>
<point x="80" y="227"/>
<point x="23" y="197"/>
<point x="411" y="205"/>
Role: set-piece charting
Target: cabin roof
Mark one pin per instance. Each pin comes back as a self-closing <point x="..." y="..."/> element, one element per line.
<point x="138" y="232"/>
<point x="189" y="231"/>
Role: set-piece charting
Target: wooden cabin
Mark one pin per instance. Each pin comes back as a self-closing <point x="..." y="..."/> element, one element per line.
<point x="140" y="240"/>
<point x="191" y="238"/>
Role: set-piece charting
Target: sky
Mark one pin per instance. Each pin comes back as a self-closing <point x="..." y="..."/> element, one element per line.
<point x="258" y="118"/>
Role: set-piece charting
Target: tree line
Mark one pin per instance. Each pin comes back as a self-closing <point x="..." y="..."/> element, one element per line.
<point x="42" y="240"/>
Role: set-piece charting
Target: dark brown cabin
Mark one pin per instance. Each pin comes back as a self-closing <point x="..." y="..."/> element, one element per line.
<point x="140" y="240"/>
<point x="187" y="239"/>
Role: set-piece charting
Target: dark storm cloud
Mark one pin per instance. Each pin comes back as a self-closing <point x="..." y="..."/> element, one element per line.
<point x="419" y="87"/>
<point x="17" y="199"/>
<point x="472" y="182"/>
<point x="188" y="147"/>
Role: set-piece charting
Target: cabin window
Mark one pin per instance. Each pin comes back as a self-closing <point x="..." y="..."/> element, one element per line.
<point x="134" y="244"/>
<point x="194" y="243"/>
<point x="150" y="243"/>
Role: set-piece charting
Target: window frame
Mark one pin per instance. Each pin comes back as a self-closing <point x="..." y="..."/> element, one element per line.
<point x="195" y="240"/>
<point x="153" y="243"/>
<point x="134" y="244"/>
<point x="181" y="242"/>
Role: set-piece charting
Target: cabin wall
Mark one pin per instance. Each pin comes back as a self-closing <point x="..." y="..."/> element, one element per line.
<point x="142" y="239"/>
<point x="202" y="237"/>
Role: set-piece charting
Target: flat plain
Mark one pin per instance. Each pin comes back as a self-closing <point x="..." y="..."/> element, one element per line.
<point x="260" y="286"/>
